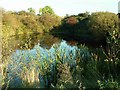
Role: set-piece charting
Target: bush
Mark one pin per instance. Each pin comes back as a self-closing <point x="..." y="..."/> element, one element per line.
<point x="49" y="21"/>
<point x="101" y="23"/>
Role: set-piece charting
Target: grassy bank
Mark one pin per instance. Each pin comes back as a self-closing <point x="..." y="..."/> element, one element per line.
<point x="76" y="68"/>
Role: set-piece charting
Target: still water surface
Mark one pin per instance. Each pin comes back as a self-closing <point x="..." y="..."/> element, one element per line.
<point x="28" y="53"/>
<point x="28" y="42"/>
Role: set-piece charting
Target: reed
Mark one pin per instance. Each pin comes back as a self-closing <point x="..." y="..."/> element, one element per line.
<point x="65" y="66"/>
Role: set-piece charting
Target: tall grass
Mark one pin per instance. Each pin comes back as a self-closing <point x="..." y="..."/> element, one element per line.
<point x="66" y="67"/>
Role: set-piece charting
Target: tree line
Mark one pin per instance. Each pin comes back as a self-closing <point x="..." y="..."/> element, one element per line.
<point x="23" y="22"/>
<point x="95" y="26"/>
<point x="84" y="25"/>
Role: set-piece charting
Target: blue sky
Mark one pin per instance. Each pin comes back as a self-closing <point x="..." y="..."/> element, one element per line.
<point x="62" y="7"/>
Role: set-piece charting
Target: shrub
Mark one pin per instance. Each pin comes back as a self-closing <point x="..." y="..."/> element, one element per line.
<point x="101" y="23"/>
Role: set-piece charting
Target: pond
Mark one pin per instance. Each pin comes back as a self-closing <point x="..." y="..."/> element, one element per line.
<point x="28" y="42"/>
<point x="29" y="57"/>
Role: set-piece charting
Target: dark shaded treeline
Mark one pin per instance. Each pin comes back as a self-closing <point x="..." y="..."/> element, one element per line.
<point x="85" y="27"/>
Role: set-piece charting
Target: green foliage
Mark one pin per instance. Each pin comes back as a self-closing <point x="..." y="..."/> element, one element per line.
<point x="94" y="27"/>
<point x="49" y="21"/>
<point x="101" y="23"/>
<point x="10" y="19"/>
<point x="65" y="79"/>
<point x="22" y="13"/>
<point x="23" y="22"/>
<point x="46" y="9"/>
<point x="31" y="10"/>
<point x="108" y="84"/>
<point x="82" y="16"/>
